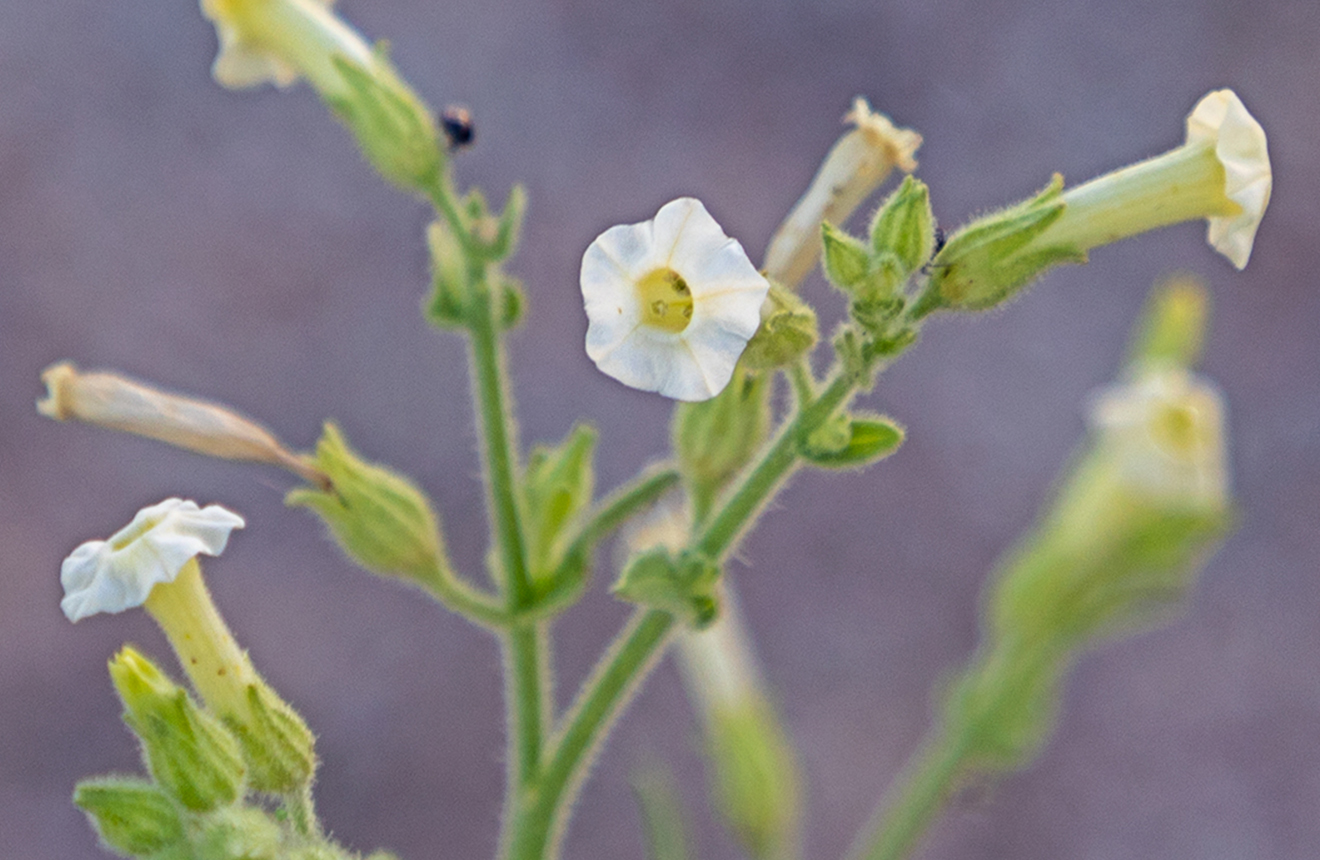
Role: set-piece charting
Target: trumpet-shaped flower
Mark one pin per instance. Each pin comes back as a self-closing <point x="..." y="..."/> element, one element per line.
<point x="278" y="41"/>
<point x="1221" y="173"/>
<point x="671" y="302"/>
<point x="119" y="573"/>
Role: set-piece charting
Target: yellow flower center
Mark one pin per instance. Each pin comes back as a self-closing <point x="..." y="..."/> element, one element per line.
<point x="1177" y="430"/>
<point x="666" y="300"/>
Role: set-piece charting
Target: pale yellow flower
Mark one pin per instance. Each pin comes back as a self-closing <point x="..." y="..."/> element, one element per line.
<point x="671" y="302"/>
<point x="279" y="41"/>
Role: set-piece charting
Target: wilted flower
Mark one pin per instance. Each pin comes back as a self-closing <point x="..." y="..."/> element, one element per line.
<point x="671" y="302"/>
<point x="119" y="573"/>
<point x="116" y="402"/>
<point x="855" y="166"/>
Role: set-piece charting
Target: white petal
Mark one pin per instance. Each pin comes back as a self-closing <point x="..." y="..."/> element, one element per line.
<point x="1241" y="147"/>
<point x="118" y="574"/>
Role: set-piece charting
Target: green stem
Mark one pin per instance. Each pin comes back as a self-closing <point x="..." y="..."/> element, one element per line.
<point x="929" y="782"/>
<point x="627" y="500"/>
<point x="525" y="647"/>
<point x="759" y="485"/>
<point x="460" y="597"/>
<point x="538" y="823"/>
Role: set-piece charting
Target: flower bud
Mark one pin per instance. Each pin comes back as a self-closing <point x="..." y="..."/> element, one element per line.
<point x="716" y="438"/>
<point x="683" y="586"/>
<point x="189" y="753"/>
<point x="856" y="165"/>
<point x="132" y="816"/>
<point x="904" y="227"/>
<point x="116" y="402"/>
<point x="1172" y="327"/>
<point x="378" y="517"/>
<point x="559" y="483"/>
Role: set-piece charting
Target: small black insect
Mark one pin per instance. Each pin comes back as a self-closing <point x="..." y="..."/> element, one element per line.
<point x="456" y="120"/>
<point x="940" y="239"/>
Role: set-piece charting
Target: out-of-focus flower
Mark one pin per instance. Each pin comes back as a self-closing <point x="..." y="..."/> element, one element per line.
<point x="119" y="573"/>
<point x="278" y="41"/>
<point x="1166" y="430"/>
<point x="118" y="403"/>
<point x="671" y="302"/>
<point x="855" y="166"/>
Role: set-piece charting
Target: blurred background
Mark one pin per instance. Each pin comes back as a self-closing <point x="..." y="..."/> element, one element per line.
<point x="234" y="245"/>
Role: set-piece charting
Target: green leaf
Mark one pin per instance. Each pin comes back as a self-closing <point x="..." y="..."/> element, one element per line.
<point x="852" y="442"/>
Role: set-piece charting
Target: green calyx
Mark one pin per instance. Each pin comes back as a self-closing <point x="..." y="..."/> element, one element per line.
<point x="682" y="586"/>
<point x="788" y="331"/>
<point x="394" y="128"/>
<point x="132" y="816"/>
<point x="557" y="487"/>
<point x="993" y="258"/>
<point x="847" y="441"/>
<point x="378" y="517"/>
<point x="190" y="754"/>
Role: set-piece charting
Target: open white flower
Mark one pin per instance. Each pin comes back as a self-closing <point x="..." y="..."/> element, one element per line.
<point x="671" y="302"/>
<point x="119" y="573"/>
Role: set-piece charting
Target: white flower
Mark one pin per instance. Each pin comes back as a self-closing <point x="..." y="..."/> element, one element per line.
<point x="1165" y="432"/>
<point x="1221" y="173"/>
<point x="1221" y="120"/>
<point x="117" y="574"/>
<point x="671" y="302"/>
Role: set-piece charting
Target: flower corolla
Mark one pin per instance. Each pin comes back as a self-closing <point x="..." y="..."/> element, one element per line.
<point x="671" y="302"/>
<point x="1222" y="121"/>
<point x="119" y="573"/>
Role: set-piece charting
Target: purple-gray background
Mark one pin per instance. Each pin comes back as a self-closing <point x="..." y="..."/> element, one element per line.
<point x="234" y="245"/>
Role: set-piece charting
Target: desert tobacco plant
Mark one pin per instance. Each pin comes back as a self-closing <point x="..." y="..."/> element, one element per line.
<point x="675" y="307"/>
